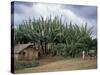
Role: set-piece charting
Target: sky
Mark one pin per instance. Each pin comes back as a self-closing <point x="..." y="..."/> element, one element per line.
<point x="77" y="14"/>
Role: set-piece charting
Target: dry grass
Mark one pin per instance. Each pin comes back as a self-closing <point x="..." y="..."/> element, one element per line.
<point x="61" y="64"/>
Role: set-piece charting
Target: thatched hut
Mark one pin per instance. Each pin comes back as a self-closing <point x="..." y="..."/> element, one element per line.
<point x="25" y="52"/>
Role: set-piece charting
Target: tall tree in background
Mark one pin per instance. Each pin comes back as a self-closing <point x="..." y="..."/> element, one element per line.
<point x="70" y="38"/>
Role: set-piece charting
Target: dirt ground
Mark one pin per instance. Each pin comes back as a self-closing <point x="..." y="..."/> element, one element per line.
<point x="51" y="64"/>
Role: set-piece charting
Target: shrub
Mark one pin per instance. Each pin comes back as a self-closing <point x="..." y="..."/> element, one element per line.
<point x="60" y="48"/>
<point x="25" y="64"/>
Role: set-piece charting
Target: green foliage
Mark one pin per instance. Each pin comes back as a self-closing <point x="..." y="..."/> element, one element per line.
<point x="25" y="64"/>
<point x="59" y="48"/>
<point x="70" y="38"/>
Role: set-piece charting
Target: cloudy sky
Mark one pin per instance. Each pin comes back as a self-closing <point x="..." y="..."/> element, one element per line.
<point x="78" y="14"/>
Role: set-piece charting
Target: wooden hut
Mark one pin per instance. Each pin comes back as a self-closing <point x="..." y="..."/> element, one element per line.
<point x="25" y="52"/>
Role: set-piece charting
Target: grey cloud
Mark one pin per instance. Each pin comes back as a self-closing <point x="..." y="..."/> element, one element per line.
<point x="89" y="12"/>
<point x="20" y="7"/>
<point x="28" y="4"/>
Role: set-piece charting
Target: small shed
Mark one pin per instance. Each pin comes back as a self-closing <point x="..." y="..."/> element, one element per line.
<point x="25" y="52"/>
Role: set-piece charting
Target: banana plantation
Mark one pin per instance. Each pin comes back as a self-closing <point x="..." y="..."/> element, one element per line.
<point x="53" y="37"/>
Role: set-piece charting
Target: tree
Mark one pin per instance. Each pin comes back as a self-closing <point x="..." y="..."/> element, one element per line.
<point x="71" y="38"/>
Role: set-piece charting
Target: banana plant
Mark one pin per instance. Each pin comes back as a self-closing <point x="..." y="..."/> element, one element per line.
<point x="44" y="32"/>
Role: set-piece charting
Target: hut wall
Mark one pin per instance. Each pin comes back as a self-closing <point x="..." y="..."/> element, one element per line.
<point x="28" y="54"/>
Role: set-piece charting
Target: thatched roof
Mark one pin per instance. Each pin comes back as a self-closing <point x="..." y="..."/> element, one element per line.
<point x="18" y="48"/>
